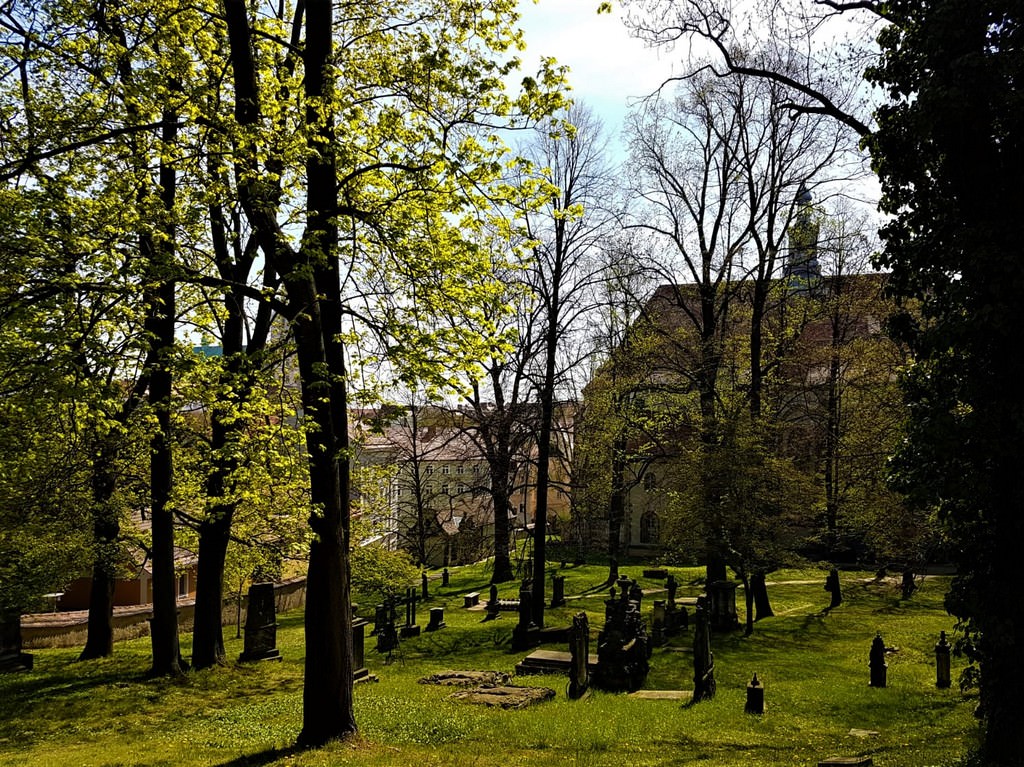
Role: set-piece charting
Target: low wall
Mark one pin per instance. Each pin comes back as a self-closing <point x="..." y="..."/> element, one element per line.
<point x="70" y="629"/>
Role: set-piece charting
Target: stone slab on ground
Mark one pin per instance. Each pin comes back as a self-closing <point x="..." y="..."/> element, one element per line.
<point x="662" y="694"/>
<point x="858" y="733"/>
<point x="467" y="678"/>
<point x="550" y="662"/>
<point x="847" y="761"/>
<point x="505" y="697"/>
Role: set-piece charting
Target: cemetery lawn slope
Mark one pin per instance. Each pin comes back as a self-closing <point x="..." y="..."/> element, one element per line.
<point x="813" y="663"/>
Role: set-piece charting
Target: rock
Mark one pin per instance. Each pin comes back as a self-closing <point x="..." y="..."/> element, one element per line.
<point x="505" y="697"/>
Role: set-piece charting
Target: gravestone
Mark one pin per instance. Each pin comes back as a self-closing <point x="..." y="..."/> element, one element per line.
<point x="623" y="648"/>
<point x="658" y="623"/>
<point x="360" y="673"/>
<point x="387" y="634"/>
<point x="410" y="629"/>
<point x="703" y="659"/>
<point x="526" y="633"/>
<point x="558" y="591"/>
<point x="423" y="587"/>
<point x="876" y="662"/>
<point x="722" y="606"/>
<point x="261" y="625"/>
<point x="942" y="672"/>
<point x="834" y="588"/>
<point x="755" y="697"/>
<point x="444" y="577"/>
<point x="380" y="617"/>
<point x="636" y="594"/>
<point x="676" y="616"/>
<point x="493" y="605"/>
<point x="908" y="586"/>
<point x="11" y="656"/>
<point x="436" y="619"/>
<point x="579" y="650"/>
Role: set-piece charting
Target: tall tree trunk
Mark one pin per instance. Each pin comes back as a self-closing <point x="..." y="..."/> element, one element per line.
<point x="748" y="601"/>
<point x="762" y="605"/>
<point x="617" y="505"/>
<point x="503" y="570"/>
<point x="167" y="658"/>
<point x="106" y="528"/>
<point x="327" y="699"/>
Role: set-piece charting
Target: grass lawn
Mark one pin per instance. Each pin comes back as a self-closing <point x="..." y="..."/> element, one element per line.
<point x="814" y="665"/>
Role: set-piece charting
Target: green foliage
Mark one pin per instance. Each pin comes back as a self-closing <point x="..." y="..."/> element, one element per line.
<point x="379" y="573"/>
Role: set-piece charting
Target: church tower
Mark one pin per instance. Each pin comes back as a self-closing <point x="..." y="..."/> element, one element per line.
<point x="802" y="272"/>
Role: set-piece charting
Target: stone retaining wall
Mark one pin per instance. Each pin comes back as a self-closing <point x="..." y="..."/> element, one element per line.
<point x="69" y="629"/>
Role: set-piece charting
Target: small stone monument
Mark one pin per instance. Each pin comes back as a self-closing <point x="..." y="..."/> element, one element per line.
<point x="558" y="591"/>
<point x="703" y="659"/>
<point x="261" y="625"/>
<point x="658" y="623"/>
<point x="942" y="673"/>
<point x="423" y="587"/>
<point x="526" y="634"/>
<point x="636" y="594"/>
<point x="722" y="606"/>
<point x="493" y="605"/>
<point x="387" y="634"/>
<point x="380" y="617"/>
<point x="436" y="619"/>
<point x="755" y="697"/>
<point x="444" y="577"/>
<point x="834" y="588"/>
<point x="410" y="629"/>
<point x="11" y="656"/>
<point x="360" y="672"/>
<point x="579" y="651"/>
<point x="623" y="648"/>
<point x="876" y="661"/>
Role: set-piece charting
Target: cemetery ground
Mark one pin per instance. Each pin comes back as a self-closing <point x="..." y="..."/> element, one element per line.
<point x="813" y="663"/>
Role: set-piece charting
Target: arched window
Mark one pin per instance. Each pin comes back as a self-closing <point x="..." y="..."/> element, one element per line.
<point x="649" y="528"/>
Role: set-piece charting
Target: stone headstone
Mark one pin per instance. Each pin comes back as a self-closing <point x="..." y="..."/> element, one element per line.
<point x="410" y="629"/>
<point x="380" y="617"/>
<point x="558" y="591"/>
<point x="876" y="662"/>
<point x="658" y="623"/>
<point x="11" y="656"/>
<point x="755" y="697"/>
<point x="444" y="577"/>
<point x="722" y="607"/>
<point x="579" y="649"/>
<point x="423" y="587"/>
<point x="436" y="619"/>
<point x="672" y="586"/>
<point x="526" y="633"/>
<point x="493" y="605"/>
<point x="703" y="659"/>
<point x="261" y="625"/>
<point x="942" y="671"/>
<point x="387" y="634"/>
<point x="623" y="647"/>
<point x="360" y="673"/>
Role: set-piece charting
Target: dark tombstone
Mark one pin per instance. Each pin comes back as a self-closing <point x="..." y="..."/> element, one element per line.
<point x="261" y="625"/>
<point x="444" y="577"/>
<point x="834" y="588"/>
<point x="360" y="671"/>
<point x="423" y="587"/>
<point x="526" y="634"/>
<point x="387" y="634"/>
<point x="942" y="674"/>
<point x="755" y="697"/>
<point x="579" y="652"/>
<point x="380" y="617"/>
<point x="436" y="619"/>
<point x="672" y="586"/>
<point x="658" y="623"/>
<point x="11" y="656"/>
<point x="410" y="629"/>
<point x="558" y="591"/>
<point x="623" y="648"/>
<point x="636" y="594"/>
<point x="493" y="606"/>
<point x="908" y="585"/>
<point x="703" y="659"/>
<point x="722" y="608"/>
<point x="876" y="661"/>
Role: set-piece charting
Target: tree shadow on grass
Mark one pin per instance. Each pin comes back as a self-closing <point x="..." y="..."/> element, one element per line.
<point x="269" y="756"/>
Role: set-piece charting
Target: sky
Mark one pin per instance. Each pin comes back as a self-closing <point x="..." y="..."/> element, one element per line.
<point x="608" y="67"/>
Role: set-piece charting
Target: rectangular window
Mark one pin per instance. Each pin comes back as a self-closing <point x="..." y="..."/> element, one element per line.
<point x="446" y="469"/>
